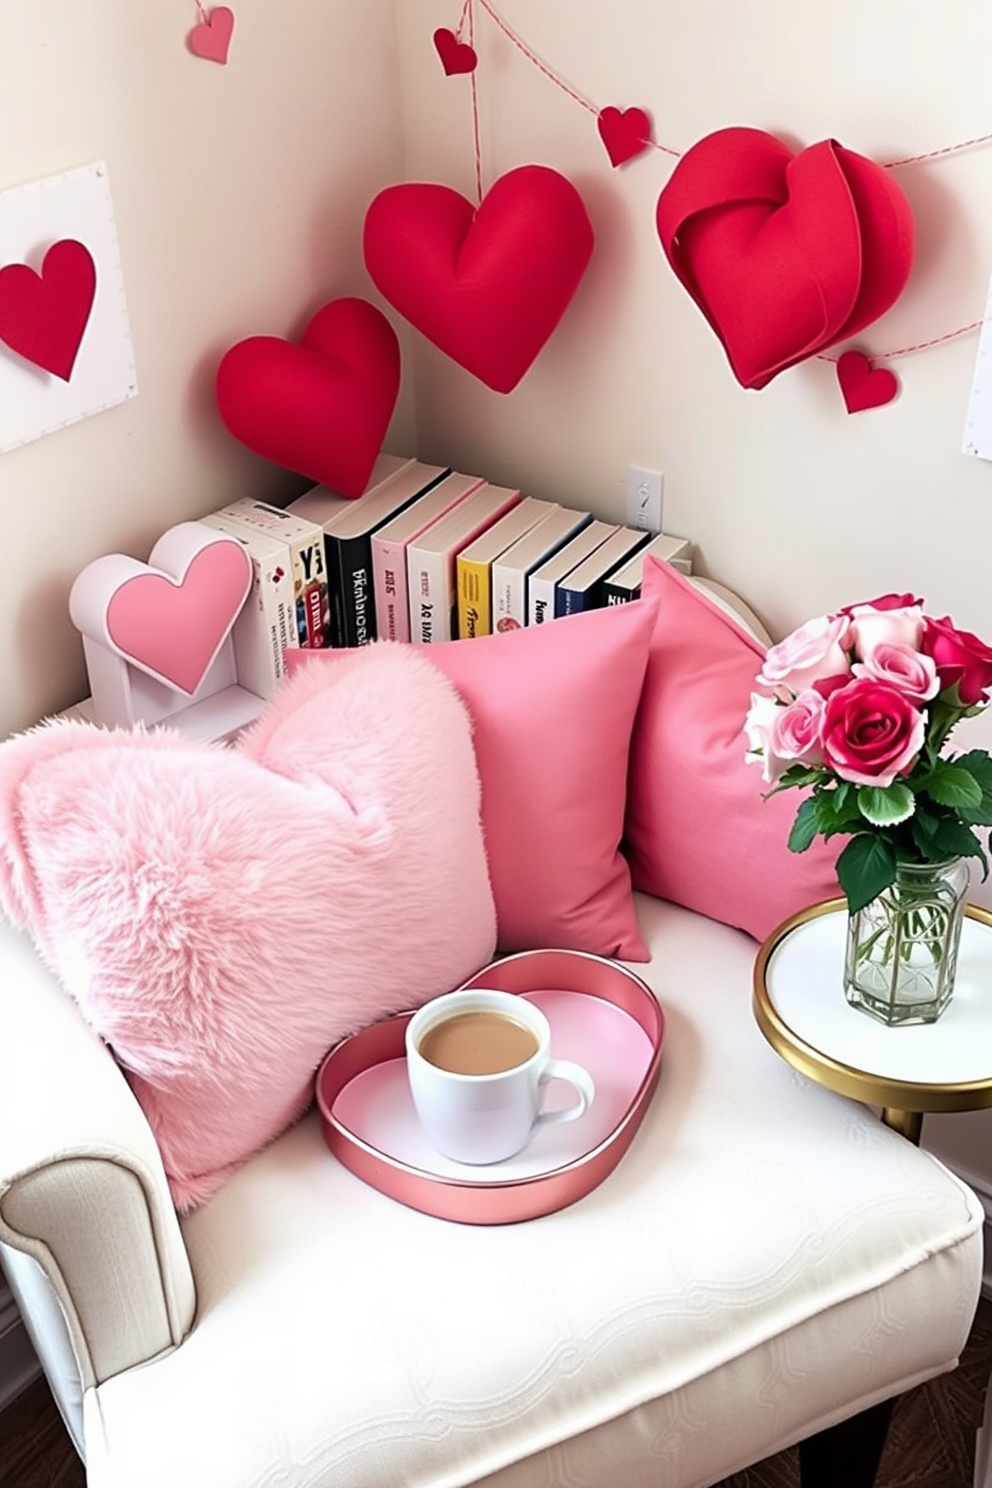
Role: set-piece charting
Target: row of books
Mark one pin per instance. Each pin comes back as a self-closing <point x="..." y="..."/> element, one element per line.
<point x="425" y="554"/>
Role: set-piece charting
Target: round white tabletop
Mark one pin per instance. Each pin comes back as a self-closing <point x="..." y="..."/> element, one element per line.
<point x="800" y="1006"/>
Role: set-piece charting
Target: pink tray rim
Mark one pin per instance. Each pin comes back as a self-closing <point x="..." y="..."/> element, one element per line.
<point x="503" y="1201"/>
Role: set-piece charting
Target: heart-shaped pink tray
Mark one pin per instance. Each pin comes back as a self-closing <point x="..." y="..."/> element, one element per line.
<point x="601" y="1015"/>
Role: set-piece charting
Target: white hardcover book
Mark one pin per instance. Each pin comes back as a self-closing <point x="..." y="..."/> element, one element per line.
<point x="431" y="560"/>
<point x="389" y="551"/>
<point x="305" y="540"/>
<point x="512" y="570"/>
<point x="321" y="504"/>
<point x="541" y="599"/>
<point x="266" y="626"/>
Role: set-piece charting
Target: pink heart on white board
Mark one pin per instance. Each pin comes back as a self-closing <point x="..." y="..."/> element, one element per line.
<point x="169" y="616"/>
<point x="211" y="39"/>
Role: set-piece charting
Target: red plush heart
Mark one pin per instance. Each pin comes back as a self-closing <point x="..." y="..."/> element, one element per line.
<point x="211" y="39"/>
<point x="321" y="407"/>
<point x="456" y="56"/>
<point x="625" y="134"/>
<point x="862" y="385"/>
<point x="486" y="284"/>
<point x="784" y="254"/>
<point x="43" y="316"/>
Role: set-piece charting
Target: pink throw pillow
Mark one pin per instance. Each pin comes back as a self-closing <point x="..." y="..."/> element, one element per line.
<point x="224" y="916"/>
<point x="698" y="831"/>
<point x="552" y="708"/>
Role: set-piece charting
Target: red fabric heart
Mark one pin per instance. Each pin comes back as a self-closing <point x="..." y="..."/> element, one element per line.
<point x="625" y="134"/>
<point x="862" y="385"/>
<point x="487" y="284"/>
<point x="211" y="39"/>
<point x="43" y="316"/>
<point x="456" y="56"/>
<point x="784" y="254"/>
<point x="321" y="407"/>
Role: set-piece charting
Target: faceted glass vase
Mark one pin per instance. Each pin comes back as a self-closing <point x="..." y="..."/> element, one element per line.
<point x="902" y="948"/>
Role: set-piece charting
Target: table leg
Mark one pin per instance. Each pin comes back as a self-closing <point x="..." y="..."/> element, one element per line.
<point x="908" y="1123"/>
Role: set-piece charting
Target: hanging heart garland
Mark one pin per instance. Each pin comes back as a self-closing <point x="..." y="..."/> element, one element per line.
<point x="488" y="284"/>
<point x="863" y="385"/>
<point x="785" y="254"/>
<point x="320" y="407"/>
<point x="211" y="37"/>
<point x="456" y="56"/>
<point x="44" y="315"/>
<point x="626" y="133"/>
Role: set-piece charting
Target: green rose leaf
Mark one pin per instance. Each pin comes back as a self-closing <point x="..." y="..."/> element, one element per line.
<point x="804" y="828"/>
<point x="866" y="866"/>
<point x="884" y="806"/>
<point x="950" y="785"/>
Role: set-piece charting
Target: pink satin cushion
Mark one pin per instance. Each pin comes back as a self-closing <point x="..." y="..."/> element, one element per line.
<point x="552" y="708"/>
<point x="698" y="832"/>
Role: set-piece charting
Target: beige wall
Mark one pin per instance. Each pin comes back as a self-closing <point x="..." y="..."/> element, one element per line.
<point x="239" y="194"/>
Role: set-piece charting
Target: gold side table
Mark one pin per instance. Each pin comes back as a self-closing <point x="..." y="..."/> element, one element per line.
<point x="800" y="1007"/>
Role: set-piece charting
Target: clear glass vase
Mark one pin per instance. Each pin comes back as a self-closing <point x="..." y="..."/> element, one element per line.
<point x="902" y="948"/>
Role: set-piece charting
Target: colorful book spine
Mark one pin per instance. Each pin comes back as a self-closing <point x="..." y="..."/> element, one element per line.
<point x="512" y="569"/>
<point x="624" y="584"/>
<point x="541" y="589"/>
<point x="432" y="558"/>
<point x="305" y="540"/>
<point x="389" y="550"/>
<point x="583" y="588"/>
<point x="474" y="565"/>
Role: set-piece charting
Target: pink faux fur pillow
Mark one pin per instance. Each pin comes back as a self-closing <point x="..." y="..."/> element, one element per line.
<point x="223" y="916"/>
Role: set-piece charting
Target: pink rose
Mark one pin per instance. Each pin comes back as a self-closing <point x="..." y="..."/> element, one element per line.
<point x="811" y="653"/>
<point x="758" y="727"/>
<point x="959" y="657"/>
<point x="897" y="625"/>
<point x="871" y="732"/>
<point x="797" y="729"/>
<point x="903" y="668"/>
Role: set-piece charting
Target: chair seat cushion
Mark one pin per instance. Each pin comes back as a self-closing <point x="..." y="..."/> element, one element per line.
<point x="766" y="1258"/>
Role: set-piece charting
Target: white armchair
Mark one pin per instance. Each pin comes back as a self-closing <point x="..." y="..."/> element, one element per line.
<point x="767" y="1260"/>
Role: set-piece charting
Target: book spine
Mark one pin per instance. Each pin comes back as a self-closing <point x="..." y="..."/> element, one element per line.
<point x="389" y="580"/>
<point x="617" y="594"/>
<point x="358" y="613"/>
<point x="571" y="601"/>
<point x="313" y="609"/>
<point x="429" y="584"/>
<point x="509" y="597"/>
<point x="474" y="598"/>
<point x="540" y="600"/>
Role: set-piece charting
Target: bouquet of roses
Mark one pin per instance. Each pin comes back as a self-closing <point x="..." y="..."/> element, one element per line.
<point x="859" y="705"/>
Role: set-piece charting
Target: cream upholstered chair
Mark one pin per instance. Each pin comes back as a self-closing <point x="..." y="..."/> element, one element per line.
<point x="766" y="1261"/>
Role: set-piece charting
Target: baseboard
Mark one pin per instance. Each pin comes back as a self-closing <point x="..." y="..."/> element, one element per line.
<point x="19" y="1365"/>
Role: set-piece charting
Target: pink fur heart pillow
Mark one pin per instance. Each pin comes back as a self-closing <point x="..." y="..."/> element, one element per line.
<point x="223" y="916"/>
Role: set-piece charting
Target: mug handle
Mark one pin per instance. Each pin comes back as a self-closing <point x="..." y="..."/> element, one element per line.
<point x="581" y="1082"/>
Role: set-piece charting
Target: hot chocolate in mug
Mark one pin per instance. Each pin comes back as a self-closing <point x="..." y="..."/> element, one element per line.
<point x="479" y="1062"/>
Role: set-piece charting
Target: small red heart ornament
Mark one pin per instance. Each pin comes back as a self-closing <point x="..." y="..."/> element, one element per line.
<point x="862" y="385"/>
<point x="785" y="254"/>
<point x="44" y="315"/>
<point x="487" y="284"/>
<point x="320" y="407"/>
<point x="456" y="56"/>
<point x="625" y="133"/>
<point x="211" y="39"/>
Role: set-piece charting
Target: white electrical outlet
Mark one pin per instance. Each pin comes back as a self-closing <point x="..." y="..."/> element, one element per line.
<point x="645" y="489"/>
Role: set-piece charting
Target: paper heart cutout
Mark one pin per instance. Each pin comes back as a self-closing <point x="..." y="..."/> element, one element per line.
<point x="169" y="616"/>
<point x="487" y="284"/>
<point x="862" y="385"/>
<point x="320" y="407"/>
<point x="625" y="133"/>
<point x="456" y="56"/>
<point x="211" y="39"/>
<point x="44" y="315"/>
<point x="785" y="254"/>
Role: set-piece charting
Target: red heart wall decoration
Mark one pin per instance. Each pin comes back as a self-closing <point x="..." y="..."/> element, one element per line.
<point x="625" y="133"/>
<point x="456" y="56"/>
<point x="320" y="407"/>
<point x="487" y="284"/>
<point x="43" y="316"/>
<point x="785" y="254"/>
<point x="211" y="39"/>
<point x="863" y="386"/>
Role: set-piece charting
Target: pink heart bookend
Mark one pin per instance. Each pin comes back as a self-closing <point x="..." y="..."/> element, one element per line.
<point x="625" y="133"/>
<point x="43" y="316"/>
<point x="211" y="39"/>
<point x="862" y="385"/>
<point x="456" y="56"/>
<point x="320" y="407"/>
<point x="170" y="616"/>
<point x="488" y="284"/>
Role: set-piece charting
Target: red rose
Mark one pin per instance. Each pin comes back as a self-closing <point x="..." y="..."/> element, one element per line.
<point x="871" y="732"/>
<point x="960" y="657"/>
<point x="885" y="602"/>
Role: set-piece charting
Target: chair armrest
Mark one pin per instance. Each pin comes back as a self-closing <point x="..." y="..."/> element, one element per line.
<point x="82" y="1186"/>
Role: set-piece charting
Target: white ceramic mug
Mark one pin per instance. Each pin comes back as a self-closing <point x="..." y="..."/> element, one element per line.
<point x="473" y="1112"/>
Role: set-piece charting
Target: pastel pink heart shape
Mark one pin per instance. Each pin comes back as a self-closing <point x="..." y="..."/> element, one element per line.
<point x="211" y="39"/>
<point x="862" y="385"/>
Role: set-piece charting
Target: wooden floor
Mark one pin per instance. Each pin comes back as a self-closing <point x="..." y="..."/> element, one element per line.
<point x="931" y="1443"/>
